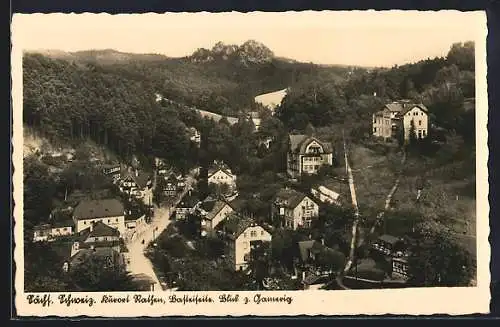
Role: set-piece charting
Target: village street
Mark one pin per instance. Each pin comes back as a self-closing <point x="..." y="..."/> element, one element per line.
<point x="138" y="263"/>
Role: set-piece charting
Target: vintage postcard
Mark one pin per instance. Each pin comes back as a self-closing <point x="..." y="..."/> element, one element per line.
<point x="231" y="164"/>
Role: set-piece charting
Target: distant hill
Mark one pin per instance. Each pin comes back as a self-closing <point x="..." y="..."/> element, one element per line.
<point x="224" y="79"/>
<point x="105" y="56"/>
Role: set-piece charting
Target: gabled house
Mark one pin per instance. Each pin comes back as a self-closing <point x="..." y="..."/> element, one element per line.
<point x="402" y="115"/>
<point x="136" y="183"/>
<point x="97" y="235"/>
<point x="242" y="235"/>
<point x="306" y="154"/>
<point x="108" y="211"/>
<point x="212" y="212"/>
<point x="294" y="208"/>
<point x="170" y="185"/>
<point x="327" y="192"/>
<point x="187" y="205"/>
<point x="220" y="174"/>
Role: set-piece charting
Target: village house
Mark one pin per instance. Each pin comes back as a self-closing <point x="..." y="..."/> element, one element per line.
<point x="171" y="185"/>
<point x="212" y="212"/>
<point x="134" y="219"/>
<point x="113" y="171"/>
<point x="402" y="114"/>
<point x="220" y="174"/>
<point x="49" y="232"/>
<point x="388" y="244"/>
<point x="187" y="205"/>
<point x="294" y="209"/>
<point x="109" y="257"/>
<point x="136" y="183"/>
<point x="108" y="211"/>
<point x="326" y="192"/>
<point x="242" y="235"/>
<point x="306" y="154"/>
<point x="313" y="265"/>
<point x="97" y="235"/>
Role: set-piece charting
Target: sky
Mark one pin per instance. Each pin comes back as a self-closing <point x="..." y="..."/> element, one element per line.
<point x="363" y="38"/>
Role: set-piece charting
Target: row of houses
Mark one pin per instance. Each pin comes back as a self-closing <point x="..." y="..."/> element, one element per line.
<point x="110" y="212"/>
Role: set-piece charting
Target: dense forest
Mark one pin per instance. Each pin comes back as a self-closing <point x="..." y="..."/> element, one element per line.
<point x="441" y="84"/>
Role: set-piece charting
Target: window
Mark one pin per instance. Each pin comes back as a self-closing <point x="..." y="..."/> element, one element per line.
<point x="245" y="235"/>
<point x="419" y="123"/>
<point x="262" y="233"/>
<point x="85" y="223"/>
<point x="109" y="220"/>
<point x="253" y="233"/>
<point x="116" y="219"/>
<point x="374" y="129"/>
<point x="65" y="229"/>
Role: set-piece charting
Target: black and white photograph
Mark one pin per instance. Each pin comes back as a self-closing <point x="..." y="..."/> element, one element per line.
<point x="280" y="155"/>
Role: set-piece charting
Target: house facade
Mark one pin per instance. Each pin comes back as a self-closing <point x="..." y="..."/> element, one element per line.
<point x="306" y="154"/>
<point x="134" y="221"/>
<point x="108" y="211"/>
<point x="49" y="232"/>
<point x="242" y="236"/>
<point x="186" y="205"/>
<point x="294" y="209"/>
<point x="220" y="174"/>
<point x="212" y="212"/>
<point x="97" y="235"/>
<point x="136" y="183"/>
<point x="401" y="115"/>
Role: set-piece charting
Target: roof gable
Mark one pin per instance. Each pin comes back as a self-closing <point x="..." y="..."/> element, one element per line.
<point x="289" y="198"/>
<point x="100" y="229"/>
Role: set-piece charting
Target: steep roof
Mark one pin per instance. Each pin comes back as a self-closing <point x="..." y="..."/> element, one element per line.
<point x="219" y="166"/>
<point x="100" y="229"/>
<point x="216" y="208"/>
<point x="403" y="106"/>
<point x="235" y="225"/>
<point x="289" y="198"/>
<point x="88" y="209"/>
<point x="299" y="142"/>
<point x="188" y="201"/>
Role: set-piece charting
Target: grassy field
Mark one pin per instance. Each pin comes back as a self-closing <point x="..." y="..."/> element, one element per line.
<point x="448" y="196"/>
